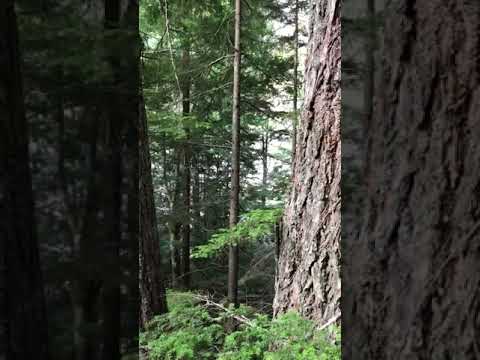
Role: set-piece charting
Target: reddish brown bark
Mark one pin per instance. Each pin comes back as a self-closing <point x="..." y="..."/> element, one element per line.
<point x="308" y="269"/>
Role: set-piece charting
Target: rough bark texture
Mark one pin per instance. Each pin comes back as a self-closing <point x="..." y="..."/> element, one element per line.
<point x="23" y="332"/>
<point x="308" y="269"/>
<point x="152" y="291"/>
<point x="369" y="76"/>
<point x="235" y="187"/>
<point x="415" y="270"/>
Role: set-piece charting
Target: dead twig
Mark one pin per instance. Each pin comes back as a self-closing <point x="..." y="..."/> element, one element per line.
<point x="208" y="302"/>
<point x="329" y="322"/>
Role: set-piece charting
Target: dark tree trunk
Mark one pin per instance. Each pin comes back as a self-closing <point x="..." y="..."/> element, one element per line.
<point x="152" y="290"/>
<point x="415" y="269"/>
<point x="265" y="141"/>
<point x="21" y="287"/>
<point x="196" y="204"/>
<point x="85" y="284"/>
<point x="133" y="309"/>
<point x="369" y="76"/>
<point x="308" y="269"/>
<point x="174" y="223"/>
<point x="235" y="187"/>
<point x="187" y="174"/>
<point x="116" y="124"/>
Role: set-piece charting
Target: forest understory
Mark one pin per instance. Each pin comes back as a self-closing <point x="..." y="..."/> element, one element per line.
<point x="239" y="180"/>
<point x="222" y="165"/>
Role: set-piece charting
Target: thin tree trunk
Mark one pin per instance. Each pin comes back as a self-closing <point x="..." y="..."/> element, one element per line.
<point x="265" y="141"/>
<point x="196" y="205"/>
<point x="174" y="225"/>
<point x="186" y="175"/>
<point x="308" y="274"/>
<point x="22" y="298"/>
<point x="415" y="268"/>
<point x="171" y="223"/>
<point x="235" y="187"/>
<point x="295" y="86"/>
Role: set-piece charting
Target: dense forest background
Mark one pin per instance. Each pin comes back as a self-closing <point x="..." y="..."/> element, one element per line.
<point x="188" y="79"/>
<point x="239" y="179"/>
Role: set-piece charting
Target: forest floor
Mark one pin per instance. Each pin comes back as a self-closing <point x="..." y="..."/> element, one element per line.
<point x="195" y="328"/>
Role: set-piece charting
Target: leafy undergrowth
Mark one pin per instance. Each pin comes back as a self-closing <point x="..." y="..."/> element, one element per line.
<point x="193" y="331"/>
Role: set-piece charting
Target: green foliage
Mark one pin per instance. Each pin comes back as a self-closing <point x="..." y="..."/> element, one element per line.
<point x="186" y="332"/>
<point x="252" y="226"/>
<point x="189" y="331"/>
<point x="287" y="337"/>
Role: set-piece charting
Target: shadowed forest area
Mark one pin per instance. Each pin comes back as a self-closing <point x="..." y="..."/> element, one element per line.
<point x="239" y="179"/>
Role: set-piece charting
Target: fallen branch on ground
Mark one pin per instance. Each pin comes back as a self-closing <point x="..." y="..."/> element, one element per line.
<point x="329" y="322"/>
<point x="208" y="302"/>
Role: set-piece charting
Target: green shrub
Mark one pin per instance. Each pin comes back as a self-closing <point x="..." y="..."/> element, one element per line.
<point x="191" y="332"/>
<point x="287" y="337"/>
<point x="186" y="332"/>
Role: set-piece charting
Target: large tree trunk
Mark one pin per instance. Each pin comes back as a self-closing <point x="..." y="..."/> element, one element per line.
<point x="308" y="268"/>
<point x="125" y="85"/>
<point x="152" y="290"/>
<point x="21" y="286"/>
<point x="415" y="269"/>
<point x="235" y="187"/>
<point x="369" y="76"/>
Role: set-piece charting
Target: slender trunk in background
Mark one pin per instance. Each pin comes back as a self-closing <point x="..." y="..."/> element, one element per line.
<point x="265" y="140"/>
<point x="24" y="323"/>
<point x="187" y="174"/>
<point x="171" y="223"/>
<point x="174" y="224"/>
<point x="196" y="205"/>
<point x="308" y="270"/>
<point x="152" y="289"/>
<point x="235" y="187"/>
<point x="415" y="267"/>
<point x="204" y="187"/>
<point x="295" y="86"/>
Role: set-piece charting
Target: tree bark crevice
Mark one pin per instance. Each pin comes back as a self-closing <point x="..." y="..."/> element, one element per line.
<point x="308" y="278"/>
